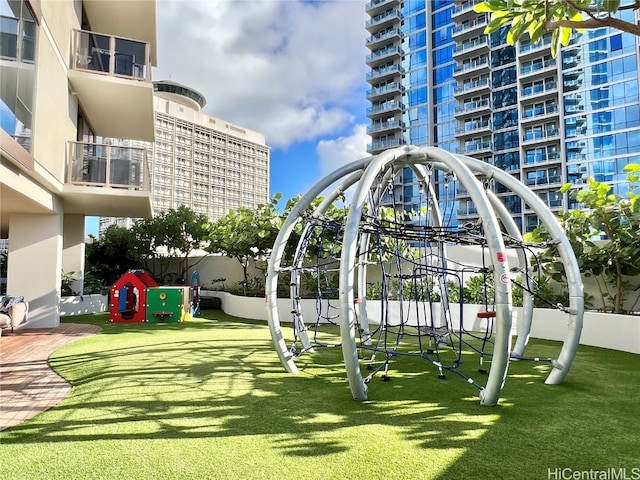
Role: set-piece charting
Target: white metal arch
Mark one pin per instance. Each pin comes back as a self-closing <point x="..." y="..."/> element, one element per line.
<point x="363" y="173"/>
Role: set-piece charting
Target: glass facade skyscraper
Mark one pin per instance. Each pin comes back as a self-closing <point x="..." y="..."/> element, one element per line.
<point x="436" y="79"/>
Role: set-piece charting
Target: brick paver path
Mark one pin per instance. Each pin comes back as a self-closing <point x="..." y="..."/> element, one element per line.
<point x="27" y="385"/>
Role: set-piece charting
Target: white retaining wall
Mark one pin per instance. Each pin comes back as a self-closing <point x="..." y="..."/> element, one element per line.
<point x="605" y="330"/>
<point x="83" y="304"/>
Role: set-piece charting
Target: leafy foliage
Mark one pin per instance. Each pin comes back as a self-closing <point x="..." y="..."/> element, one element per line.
<point x="477" y="289"/>
<point x="607" y="215"/>
<point x="170" y="235"/>
<point x="535" y="17"/>
<point x="245" y="234"/>
<point x="108" y="257"/>
<point x="151" y="244"/>
<point x="67" y="280"/>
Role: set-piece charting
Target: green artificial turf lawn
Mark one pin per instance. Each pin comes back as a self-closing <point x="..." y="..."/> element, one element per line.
<point x="208" y="399"/>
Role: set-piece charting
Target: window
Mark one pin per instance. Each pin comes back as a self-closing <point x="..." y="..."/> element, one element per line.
<point x="17" y="45"/>
<point x="418" y="59"/>
<point x="417" y="97"/>
<point x="505" y="119"/>
<point x="419" y="39"/>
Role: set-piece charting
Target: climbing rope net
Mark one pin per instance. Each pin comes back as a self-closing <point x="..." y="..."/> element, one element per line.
<point x="384" y="277"/>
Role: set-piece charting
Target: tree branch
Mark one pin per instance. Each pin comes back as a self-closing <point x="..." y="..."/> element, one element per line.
<point x="582" y="9"/>
<point x="595" y="23"/>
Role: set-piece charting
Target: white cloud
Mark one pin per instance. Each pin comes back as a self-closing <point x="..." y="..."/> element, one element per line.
<point x="293" y="70"/>
<point x="340" y="151"/>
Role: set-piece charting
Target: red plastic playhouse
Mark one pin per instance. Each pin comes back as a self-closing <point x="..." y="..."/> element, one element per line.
<point x="129" y="297"/>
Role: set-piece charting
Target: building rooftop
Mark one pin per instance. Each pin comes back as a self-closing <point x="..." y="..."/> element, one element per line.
<point x="180" y="94"/>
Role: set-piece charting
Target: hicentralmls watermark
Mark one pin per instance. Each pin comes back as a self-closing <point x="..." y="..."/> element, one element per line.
<point x="612" y="473"/>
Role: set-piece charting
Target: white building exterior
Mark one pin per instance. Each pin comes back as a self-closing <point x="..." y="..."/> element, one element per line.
<point x="73" y="72"/>
<point x="202" y="162"/>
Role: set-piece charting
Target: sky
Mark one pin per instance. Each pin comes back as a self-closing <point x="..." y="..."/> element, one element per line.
<point x="292" y="70"/>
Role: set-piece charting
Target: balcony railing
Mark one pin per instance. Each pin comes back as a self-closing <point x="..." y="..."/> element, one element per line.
<point x="468" y="26"/>
<point x="473" y="106"/>
<point x="465" y="7"/>
<point x="530" y="47"/>
<point x="386" y="35"/>
<point x="475" y="64"/>
<point x="374" y="4"/>
<point x="393" y="15"/>
<point x="476" y="147"/>
<point x="385" y="144"/>
<point x="473" y="127"/>
<point x="471" y="46"/>
<point x="381" y="126"/>
<point x="539" y="89"/>
<point x="465" y="212"/>
<point x="538" y="112"/>
<point x="470" y="86"/>
<point x="111" y="55"/>
<point x="385" y="107"/>
<point x="551" y="179"/>
<point x="537" y="67"/>
<point x="104" y="165"/>
<point x="388" y="88"/>
<point x="535" y="135"/>
<point x="382" y="72"/>
<point x="384" y="53"/>
<point x="542" y="158"/>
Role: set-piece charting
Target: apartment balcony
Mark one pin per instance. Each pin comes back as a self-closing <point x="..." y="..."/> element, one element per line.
<point x="380" y="74"/>
<point x="473" y="108"/>
<point x="538" y="69"/>
<point x="381" y="145"/>
<point x="380" y="57"/>
<point x="470" y="29"/>
<point x="536" y="114"/>
<point x="386" y="108"/>
<point x="555" y="204"/>
<point x="467" y="212"/>
<point x="571" y="58"/>
<point x="575" y="84"/>
<point x="389" y="126"/>
<point x="376" y="7"/>
<point x="384" y="91"/>
<point x="539" y="91"/>
<point x="538" y="136"/>
<point x="545" y="181"/>
<point x="383" y="20"/>
<point x="473" y="128"/>
<point x="475" y="87"/>
<point x="530" y="50"/>
<point x="471" y="49"/>
<point x="477" y="67"/>
<point x="107" y="180"/>
<point x="111" y="77"/>
<point x="462" y="192"/>
<point x="542" y="159"/>
<point x="132" y="19"/>
<point x="464" y="10"/>
<point x="475" y="148"/>
<point x="387" y="36"/>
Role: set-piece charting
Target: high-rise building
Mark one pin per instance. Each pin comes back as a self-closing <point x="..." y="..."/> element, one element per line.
<point x="73" y="72"/>
<point x="205" y="163"/>
<point x="436" y="79"/>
